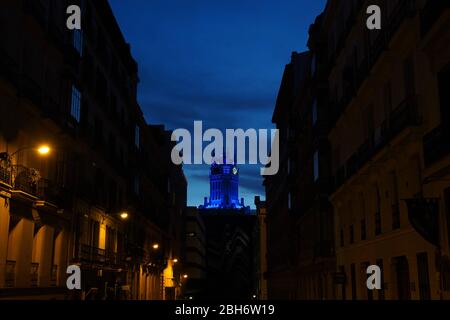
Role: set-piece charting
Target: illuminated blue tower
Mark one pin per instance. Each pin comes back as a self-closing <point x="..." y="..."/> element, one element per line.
<point x="224" y="188"/>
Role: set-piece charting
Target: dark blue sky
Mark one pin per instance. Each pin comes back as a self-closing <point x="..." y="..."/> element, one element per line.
<point x="216" y="61"/>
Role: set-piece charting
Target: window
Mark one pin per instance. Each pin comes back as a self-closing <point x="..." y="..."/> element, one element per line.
<point x="363" y="230"/>
<point x="381" y="295"/>
<point x="378" y="212"/>
<point x="314" y="113"/>
<point x="353" y="280"/>
<point x="316" y="166"/>
<point x="394" y="200"/>
<point x="137" y="136"/>
<point x="75" y="105"/>
<point x="78" y="41"/>
<point x="352" y="235"/>
<point x="377" y="223"/>
<point x="424" y="278"/>
<point x="409" y="77"/>
<point x="364" y="267"/>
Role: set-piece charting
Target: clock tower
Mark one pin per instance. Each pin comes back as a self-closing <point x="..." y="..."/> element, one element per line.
<point x="224" y="187"/>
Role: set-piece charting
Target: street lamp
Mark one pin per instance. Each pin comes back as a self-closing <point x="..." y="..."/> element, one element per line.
<point x="43" y="150"/>
<point x="124" y="215"/>
<point x="175" y="260"/>
<point x="155" y="246"/>
<point x="15" y="170"/>
<point x="185" y="276"/>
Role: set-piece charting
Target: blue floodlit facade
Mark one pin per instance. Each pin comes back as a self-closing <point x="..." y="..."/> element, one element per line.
<point x="224" y="188"/>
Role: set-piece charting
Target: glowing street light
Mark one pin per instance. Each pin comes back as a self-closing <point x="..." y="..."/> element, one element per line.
<point x="155" y="246"/>
<point x="43" y="150"/>
<point x="185" y="276"/>
<point x="175" y="260"/>
<point x="124" y="215"/>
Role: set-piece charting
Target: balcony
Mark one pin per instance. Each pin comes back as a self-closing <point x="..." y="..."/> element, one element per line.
<point x="404" y="116"/>
<point x="34" y="274"/>
<point x="431" y="14"/>
<point x="5" y="175"/>
<point x="114" y="258"/>
<point x="436" y="145"/>
<point x="26" y="180"/>
<point x="92" y="254"/>
<point x="10" y="274"/>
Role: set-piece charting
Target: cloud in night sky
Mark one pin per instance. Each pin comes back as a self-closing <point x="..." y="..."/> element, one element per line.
<point x="216" y="61"/>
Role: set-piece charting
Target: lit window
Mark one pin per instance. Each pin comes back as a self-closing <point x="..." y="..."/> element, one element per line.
<point x="75" y="105"/>
<point x="316" y="166"/>
<point x="78" y="41"/>
<point x="314" y="113"/>
<point x="289" y="201"/>
<point x="137" y="136"/>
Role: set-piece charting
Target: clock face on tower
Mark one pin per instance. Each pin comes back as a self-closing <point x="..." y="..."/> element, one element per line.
<point x="235" y="171"/>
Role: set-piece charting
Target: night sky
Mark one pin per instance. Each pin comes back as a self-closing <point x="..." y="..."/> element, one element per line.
<point x="216" y="61"/>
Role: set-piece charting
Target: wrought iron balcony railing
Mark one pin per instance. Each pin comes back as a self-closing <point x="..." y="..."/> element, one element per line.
<point x="26" y="179"/>
<point x="92" y="254"/>
<point x="5" y="175"/>
<point x="99" y="256"/>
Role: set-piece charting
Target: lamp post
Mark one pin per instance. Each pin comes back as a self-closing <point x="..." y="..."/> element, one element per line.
<point x="42" y="150"/>
<point x="6" y="160"/>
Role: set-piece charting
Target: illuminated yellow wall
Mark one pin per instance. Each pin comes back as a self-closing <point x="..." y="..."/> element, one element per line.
<point x="102" y="237"/>
<point x="168" y="275"/>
